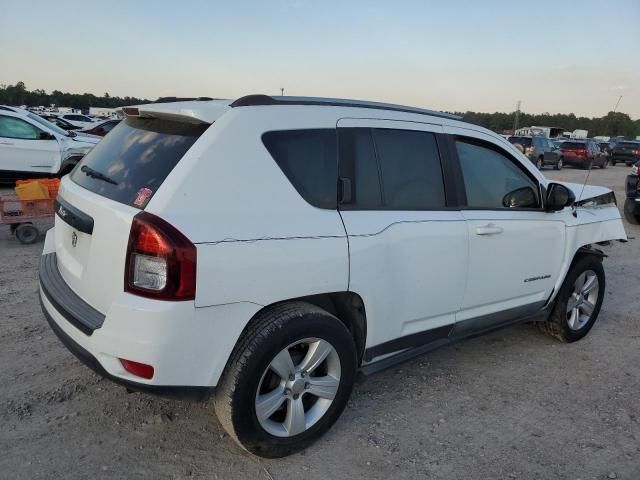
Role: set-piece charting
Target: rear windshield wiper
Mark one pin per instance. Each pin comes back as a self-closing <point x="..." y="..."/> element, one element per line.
<point x="90" y="172"/>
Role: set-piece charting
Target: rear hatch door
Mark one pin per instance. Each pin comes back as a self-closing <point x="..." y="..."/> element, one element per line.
<point x="98" y="200"/>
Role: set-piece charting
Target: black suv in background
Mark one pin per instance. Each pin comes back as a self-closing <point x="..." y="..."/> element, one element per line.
<point x="540" y="150"/>
<point x="627" y="152"/>
<point x="632" y="202"/>
<point x="583" y="153"/>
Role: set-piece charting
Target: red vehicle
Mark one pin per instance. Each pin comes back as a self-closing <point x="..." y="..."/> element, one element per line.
<point x="583" y="153"/>
<point x="102" y="128"/>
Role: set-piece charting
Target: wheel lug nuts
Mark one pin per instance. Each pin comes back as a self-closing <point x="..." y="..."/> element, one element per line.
<point x="303" y="374"/>
<point x="287" y="391"/>
<point x="295" y="396"/>
<point x="306" y="386"/>
<point x="291" y="378"/>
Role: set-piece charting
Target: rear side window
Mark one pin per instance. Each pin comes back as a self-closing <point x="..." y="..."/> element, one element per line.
<point x="308" y="158"/>
<point x="391" y="169"/>
<point x="410" y="169"/>
<point x="130" y="163"/>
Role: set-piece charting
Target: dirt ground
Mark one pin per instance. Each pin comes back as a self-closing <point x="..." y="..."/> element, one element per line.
<point x="513" y="404"/>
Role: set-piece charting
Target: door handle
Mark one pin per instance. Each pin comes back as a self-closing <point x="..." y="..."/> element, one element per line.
<point x="490" y="229"/>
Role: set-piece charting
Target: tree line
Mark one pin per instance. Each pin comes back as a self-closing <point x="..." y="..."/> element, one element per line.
<point x="611" y="125"/>
<point x="19" y="95"/>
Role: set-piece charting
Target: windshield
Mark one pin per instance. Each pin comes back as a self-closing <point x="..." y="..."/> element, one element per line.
<point x="524" y="141"/>
<point x="131" y="163"/>
<point x="48" y="124"/>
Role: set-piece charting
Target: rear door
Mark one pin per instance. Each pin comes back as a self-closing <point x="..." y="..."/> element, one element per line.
<point x="515" y="247"/>
<point x="407" y="246"/>
<point x="98" y="200"/>
<point x="22" y="149"/>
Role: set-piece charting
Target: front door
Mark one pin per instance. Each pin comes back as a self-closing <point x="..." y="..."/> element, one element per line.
<point x="22" y="150"/>
<point x="408" y="250"/>
<point x="515" y="247"/>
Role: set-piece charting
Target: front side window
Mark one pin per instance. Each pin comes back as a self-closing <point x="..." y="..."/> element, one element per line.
<point x="493" y="180"/>
<point x="11" y="127"/>
<point x="308" y="160"/>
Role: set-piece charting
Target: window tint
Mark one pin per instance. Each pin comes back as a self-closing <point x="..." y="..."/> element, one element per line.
<point x="574" y="145"/>
<point x="15" y="128"/>
<point x="308" y="159"/>
<point x="410" y="169"/>
<point x="136" y="157"/>
<point x="489" y="176"/>
<point x="358" y="164"/>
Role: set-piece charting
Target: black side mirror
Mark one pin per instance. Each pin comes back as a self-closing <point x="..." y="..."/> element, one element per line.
<point x="558" y="197"/>
<point x="524" y="197"/>
<point x="46" y="136"/>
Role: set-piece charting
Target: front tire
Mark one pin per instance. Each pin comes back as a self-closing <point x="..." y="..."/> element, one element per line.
<point x="631" y="211"/>
<point x="287" y="381"/>
<point x="578" y="302"/>
<point x="559" y="164"/>
<point x="539" y="163"/>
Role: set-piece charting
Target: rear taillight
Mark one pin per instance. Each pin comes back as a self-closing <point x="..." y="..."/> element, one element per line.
<point x="581" y="151"/>
<point x="161" y="261"/>
<point x="636" y="152"/>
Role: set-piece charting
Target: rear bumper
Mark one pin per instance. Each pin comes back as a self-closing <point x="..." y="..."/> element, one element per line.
<point x="183" y="393"/>
<point x="624" y="158"/>
<point x="187" y="346"/>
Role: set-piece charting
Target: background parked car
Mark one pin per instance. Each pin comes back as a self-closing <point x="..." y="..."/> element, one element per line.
<point x="583" y="153"/>
<point x="82" y="121"/>
<point x="102" y="128"/>
<point x="632" y="202"/>
<point x="627" y="152"/>
<point x="540" y="150"/>
<point x="60" y="122"/>
<point x="30" y="146"/>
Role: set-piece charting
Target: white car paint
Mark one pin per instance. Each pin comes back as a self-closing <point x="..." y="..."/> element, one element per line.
<point x="33" y="156"/>
<point x="78" y="119"/>
<point x="259" y="242"/>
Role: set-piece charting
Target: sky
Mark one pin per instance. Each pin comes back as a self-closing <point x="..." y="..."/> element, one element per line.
<point x="556" y="56"/>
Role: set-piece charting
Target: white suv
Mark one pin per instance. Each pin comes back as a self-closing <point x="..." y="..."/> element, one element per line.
<point x="268" y="249"/>
<point x="31" y="146"/>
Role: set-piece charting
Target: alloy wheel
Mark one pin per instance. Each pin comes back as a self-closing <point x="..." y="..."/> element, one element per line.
<point x="582" y="300"/>
<point x="298" y="387"/>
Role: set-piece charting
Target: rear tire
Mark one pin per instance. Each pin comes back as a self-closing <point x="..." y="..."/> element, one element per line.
<point x="632" y="211"/>
<point x="558" y="165"/>
<point x="255" y="369"/>
<point x="539" y="163"/>
<point x="578" y="302"/>
<point x="26" y="233"/>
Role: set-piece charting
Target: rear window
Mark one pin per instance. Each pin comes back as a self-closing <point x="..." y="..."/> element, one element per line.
<point x="308" y="158"/>
<point x="524" y="141"/>
<point x="573" y="145"/>
<point x="135" y="158"/>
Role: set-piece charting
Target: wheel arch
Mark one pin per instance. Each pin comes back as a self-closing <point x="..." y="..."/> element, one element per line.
<point x="348" y="307"/>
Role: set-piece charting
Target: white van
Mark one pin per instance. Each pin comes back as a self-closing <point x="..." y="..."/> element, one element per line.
<point x="266" y="250"/>
<point x="30" y="146"/>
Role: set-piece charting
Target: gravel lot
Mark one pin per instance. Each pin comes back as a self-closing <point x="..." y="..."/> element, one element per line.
<point x="513" y="404"/>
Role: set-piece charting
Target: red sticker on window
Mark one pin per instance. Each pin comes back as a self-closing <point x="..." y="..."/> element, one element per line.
<point x="144" y="194"/>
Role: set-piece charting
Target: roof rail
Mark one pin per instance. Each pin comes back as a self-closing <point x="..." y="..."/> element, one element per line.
<point x="257" y="100"/>
<point x="180" y="99"/>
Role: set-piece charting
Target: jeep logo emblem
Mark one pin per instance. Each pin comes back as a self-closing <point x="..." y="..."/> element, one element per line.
<point x="61" y="211"/>
<point x="74" y="239"/>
